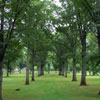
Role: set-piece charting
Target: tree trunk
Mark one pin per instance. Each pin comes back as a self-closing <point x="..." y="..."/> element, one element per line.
<point x="8" y="67"/>
<point x="1" y="75"/>
<point x="94" y="73"/>
<point x="66" y="69"/>
<point x="89" y="71"/>
<point x="10" y="70"/>
<point x="2" y="49"/>
<point x="20" y="71"/>
<point x="42" y="69"/>
<point x="7" y="72"/>
<point x="62" y="71"/>
<point x="27" y="68"/>
<point x="33" y="66"/>
<point x="1" y="71"/>
<point x="59" y="71"/>
<point x="48" y="68"/>
<point x="39" y="69"/>
<point x="74" y="65"/>
<point x="83" y="76"/>
<point x="98" y="37"/>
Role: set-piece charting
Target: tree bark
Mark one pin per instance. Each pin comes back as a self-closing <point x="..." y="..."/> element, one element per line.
<point x="83" y="76"/>
<point x="74" y="65"/>
<point x="33" y="66"/>
<point x="27" y="67"/>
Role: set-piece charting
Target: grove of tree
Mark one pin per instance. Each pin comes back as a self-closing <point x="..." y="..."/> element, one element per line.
<point x="38" y="34"/>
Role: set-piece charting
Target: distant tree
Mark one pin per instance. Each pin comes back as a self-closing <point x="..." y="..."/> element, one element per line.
<point x="62" y="50"/>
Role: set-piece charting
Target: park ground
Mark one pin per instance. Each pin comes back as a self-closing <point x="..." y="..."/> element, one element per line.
<point x="50" y="87"/>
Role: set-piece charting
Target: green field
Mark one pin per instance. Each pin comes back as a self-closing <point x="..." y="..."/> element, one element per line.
<point x="50" y="87"/>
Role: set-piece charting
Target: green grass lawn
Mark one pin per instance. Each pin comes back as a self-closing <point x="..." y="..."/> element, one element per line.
<point x="50" y="87"/>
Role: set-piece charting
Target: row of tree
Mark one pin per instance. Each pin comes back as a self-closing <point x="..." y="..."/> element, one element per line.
<point x="35" y="30"/>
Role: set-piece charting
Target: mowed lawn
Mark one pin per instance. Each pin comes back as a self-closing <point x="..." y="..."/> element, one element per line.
<point x="50" y="87"/>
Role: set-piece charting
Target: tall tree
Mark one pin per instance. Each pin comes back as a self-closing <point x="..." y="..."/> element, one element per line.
<point x="83" y="26"/>
<point x="10" y="14"/>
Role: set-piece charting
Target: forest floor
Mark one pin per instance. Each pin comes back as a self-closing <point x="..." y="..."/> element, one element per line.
<point x="50" y="87"/>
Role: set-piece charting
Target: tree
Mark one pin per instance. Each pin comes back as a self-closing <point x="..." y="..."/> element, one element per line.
<point x="61" y="51"/>
<point x="9" y="17"/>
<point x="21" y="64"/>
<point x="68" y="26"/>
<point x="83" y="26"/>
<point x="13" y="52"/>
<point x="91" y="9"/>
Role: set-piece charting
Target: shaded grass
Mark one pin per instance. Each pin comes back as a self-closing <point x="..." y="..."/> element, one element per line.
<point x="50" y="87"/>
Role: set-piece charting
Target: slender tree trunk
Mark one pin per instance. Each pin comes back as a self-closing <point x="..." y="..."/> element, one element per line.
<point x="33" y="66"/>
<point x="59" y="71"/>
<point x="1" y="68"/>
<point x="62" y="71"/>
<point x="69" y="70"/>
<point x="89" y="71"/>
<point x="42" y="69"/>
<point x="33" y="74"/>
<point x="20" y="71"/>
<point x="8" y="67"/>
<point x="39" y="69"/>
<point x="83" y="77"/>
<point x="27" y="68"/>
<point x="10" y="70"/>
<point x="93" y="73"/>
<point x="66" y="70"/>
<point x="7" y="72"/>
<point x="74" y="65"/>
<point x="2" y="49"/>
<point x="98" y="37"/>
<point x="48" y="68"/>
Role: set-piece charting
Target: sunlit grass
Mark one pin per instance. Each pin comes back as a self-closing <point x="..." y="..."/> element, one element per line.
<point x="50" y="87"/>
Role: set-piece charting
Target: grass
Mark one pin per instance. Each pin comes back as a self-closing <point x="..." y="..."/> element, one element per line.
<point x="50" y="87"/>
